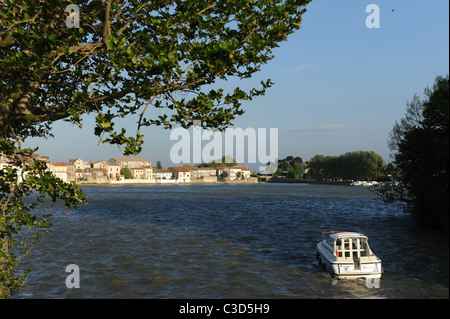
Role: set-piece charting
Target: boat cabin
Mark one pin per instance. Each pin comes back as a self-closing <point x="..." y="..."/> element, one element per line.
<point x="348" y="245"/>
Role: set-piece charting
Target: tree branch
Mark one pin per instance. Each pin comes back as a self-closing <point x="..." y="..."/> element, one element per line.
<point x="107" y="23"/>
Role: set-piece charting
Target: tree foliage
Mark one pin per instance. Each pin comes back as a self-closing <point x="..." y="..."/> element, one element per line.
<point x="24" y="184"/>
<point x="358" y="165"/>
<point x="131" y="54"/>
<point x="125" y="58"/>
<point x="420" y="145"/>
<point x="125" y="171"/>
<point x="291" y="167"/>
<point x="225" y="161"/>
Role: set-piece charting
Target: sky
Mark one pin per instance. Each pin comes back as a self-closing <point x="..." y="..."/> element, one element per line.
<point x="339" y="85"/>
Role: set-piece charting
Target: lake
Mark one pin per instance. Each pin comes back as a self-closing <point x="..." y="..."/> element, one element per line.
<point x="230" y="241"/>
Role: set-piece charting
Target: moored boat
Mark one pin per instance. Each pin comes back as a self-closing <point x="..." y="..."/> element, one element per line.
<point x="347" y="255"/>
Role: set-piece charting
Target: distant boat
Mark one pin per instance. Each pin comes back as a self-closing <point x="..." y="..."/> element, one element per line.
<point x="364" y="183"/>
<point x="347" y="255"/>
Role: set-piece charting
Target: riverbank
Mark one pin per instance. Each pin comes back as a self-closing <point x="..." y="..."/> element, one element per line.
<point x="251" y="180"/>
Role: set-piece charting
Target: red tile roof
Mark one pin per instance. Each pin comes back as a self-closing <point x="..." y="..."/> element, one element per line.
<point x="118" y="159"/>
<point x="161" y="170"/>
<point x="59" y="164"/>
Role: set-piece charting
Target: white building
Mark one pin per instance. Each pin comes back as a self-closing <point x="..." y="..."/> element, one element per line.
<point x="236" y="172"/>
<point x="182" y="174"/>
<point x="78" y="162"/>
<point x="161" y="173"/>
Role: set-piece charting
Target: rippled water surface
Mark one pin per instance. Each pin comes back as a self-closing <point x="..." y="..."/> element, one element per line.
<point x="230" y="241"/>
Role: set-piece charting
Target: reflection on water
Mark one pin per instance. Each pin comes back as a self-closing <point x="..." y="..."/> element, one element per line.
<point x="230" y="241"/>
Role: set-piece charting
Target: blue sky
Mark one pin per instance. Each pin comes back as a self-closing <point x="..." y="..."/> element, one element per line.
<point x="339" y="86"/>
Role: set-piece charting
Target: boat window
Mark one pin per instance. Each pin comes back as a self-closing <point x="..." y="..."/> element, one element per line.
<point x="354" y="243"/>
<point x="351" y="247"/>
<point x="346" y="244"/>
<point x="343" y="247"/>
<point x="330" y="241"/>
<point x="363" y="246"/>
<point x="338" y="244"/>
<point x="363" y="243"/>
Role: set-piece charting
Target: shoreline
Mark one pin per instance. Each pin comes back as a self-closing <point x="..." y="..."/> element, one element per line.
<point x="233" y="182"/>
<point x="148" y="183"/>
<point x="305" y="181"/>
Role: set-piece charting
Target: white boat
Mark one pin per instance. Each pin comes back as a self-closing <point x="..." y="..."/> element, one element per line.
<point x="347" y="255"/>
<point x="364" y="183"/>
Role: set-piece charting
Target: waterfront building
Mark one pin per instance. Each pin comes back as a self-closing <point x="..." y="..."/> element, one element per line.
<point x="78" y="162"/>
<point x="137" y="172"/>
<point x="182" y="174"/>
<point x="64" y="171"/>
<point x="97" y="164"/>
<point x="236" y="172"/>
<point x="112" y="170"/>
<point x="131" y="162"/>
<point x="162" y="173"/>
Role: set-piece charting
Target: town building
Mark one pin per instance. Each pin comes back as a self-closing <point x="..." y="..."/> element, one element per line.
<point x="141" y="172"/>
<point x="200" y="172"/>
<point x="78" y="162"/>
<point x="131" y="162"/>
<point x="97" y="164"/>
<point x="112" y="170"/>
<point x="236" y="173"/>
<point x="148" y="172"/>
<point x="137" y="172"/>
<point x="162" y="173"/>
<point x="182" y="174"/>
<point x="219" y="172"/>
<point x="63" y="170"/>
<point x="91" y="175"/>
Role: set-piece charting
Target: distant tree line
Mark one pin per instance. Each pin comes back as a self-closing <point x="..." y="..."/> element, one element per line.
<point x="358" y="165"/>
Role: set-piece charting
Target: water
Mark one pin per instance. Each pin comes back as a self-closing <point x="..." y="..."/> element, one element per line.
<point x="230" y="241"/>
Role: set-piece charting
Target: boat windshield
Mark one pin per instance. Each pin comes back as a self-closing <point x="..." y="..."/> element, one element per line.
<point x="330" y="241"/>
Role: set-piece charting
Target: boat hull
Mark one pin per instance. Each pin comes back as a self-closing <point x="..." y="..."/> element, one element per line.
<point x="347" y="269"/>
